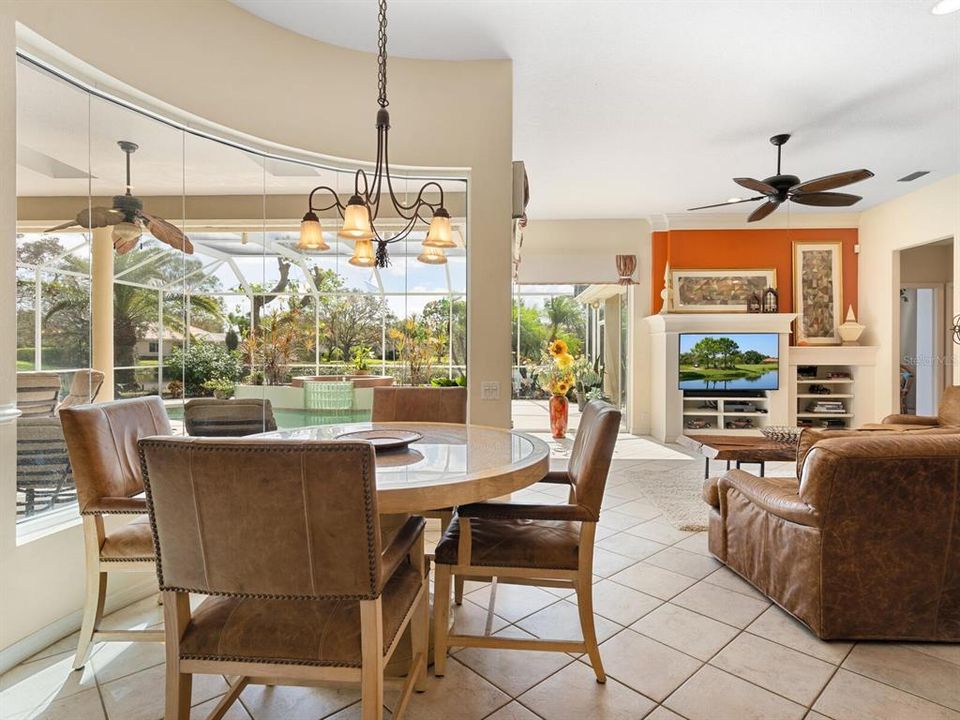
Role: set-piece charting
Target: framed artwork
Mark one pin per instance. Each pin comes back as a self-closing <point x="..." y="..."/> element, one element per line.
<point x="729" y="291"/>
<point x="817" y="291"/>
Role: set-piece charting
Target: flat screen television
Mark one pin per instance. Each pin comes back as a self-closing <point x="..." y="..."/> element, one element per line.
<point x="729" y="361"/>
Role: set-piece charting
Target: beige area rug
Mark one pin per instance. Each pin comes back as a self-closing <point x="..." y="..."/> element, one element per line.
<point x="675" y="488"/>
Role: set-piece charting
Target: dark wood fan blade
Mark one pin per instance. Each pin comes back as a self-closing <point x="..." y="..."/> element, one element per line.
<point x="826" y="199"/>
<point x="166" y="232"/>
<point x="757" y="185"/>
<point x="734" y="202"/>
<point x="761" y="212"/>
<point x="829" y="182"/>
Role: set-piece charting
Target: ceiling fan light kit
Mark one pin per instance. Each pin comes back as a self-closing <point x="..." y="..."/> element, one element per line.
<point x="780" y="188"/>
<point x="361" y="210"/>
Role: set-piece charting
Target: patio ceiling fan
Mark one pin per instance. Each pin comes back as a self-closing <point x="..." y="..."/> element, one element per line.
<point x="778" y="189"/>
<point x="129" y="219"/>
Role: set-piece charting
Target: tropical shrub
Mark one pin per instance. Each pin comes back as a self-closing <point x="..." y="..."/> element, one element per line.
<point x="201" y="362"/>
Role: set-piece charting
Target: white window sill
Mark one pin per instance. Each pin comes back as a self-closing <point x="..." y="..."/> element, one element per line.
<point x="49" y="524"/>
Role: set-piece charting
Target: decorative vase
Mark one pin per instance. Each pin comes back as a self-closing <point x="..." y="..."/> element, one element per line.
<point x="559" y="408"/>
<point x="851" y="330"/>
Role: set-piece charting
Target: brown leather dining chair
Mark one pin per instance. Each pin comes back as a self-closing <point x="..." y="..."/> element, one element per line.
<point x="283" y="537"/>
<point x="102" y="444"/>
<point x="420" y="404"/>
<point x="545" y="545"/>
<point x="211" y="417"/>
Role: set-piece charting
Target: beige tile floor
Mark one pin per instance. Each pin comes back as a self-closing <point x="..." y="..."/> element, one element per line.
<point x="682" y="637"/>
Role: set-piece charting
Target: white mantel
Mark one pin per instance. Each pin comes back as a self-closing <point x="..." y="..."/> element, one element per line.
<point x="721" y="322"/>
<point x="666" y="397"/>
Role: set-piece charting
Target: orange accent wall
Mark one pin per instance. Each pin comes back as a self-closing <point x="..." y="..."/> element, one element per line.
<point x="749" y="249"/>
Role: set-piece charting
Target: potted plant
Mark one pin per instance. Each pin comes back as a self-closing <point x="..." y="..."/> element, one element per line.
<point x="221" y="388"/>
<point x="589" y="381"/>
<point x="360" y="361"/>
<point x="557" y="378"/>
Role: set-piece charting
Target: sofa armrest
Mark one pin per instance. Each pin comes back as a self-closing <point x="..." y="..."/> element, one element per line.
<point x="770" y="496"/>
<point x="116" y="506"/>
<point x="925" y="420"/>
<point x="400" y="546"/>
<point x="524" y="511"/>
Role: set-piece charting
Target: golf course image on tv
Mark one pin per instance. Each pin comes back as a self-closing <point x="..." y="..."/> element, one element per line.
<point x="734" y="361"/>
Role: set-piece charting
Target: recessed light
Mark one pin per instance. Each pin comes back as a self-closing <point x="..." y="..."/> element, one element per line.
<point x="945" y="7"/>
<point x="733" y="200"/>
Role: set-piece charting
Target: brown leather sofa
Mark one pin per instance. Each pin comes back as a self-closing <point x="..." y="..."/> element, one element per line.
<point x="948" y="415"/>
<point x="865" y="545"/>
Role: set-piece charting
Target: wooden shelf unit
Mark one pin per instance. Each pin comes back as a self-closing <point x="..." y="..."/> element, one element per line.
<point x="718" y="417"/>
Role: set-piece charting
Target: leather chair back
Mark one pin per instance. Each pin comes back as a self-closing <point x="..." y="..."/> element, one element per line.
<point x="37" y="393"/>
<point x="420" y="404"/>
<point x="887" y="508"/>
<point x="102" y="442"/>
<point x="284" y="519"/>
<point x="592" y="452"/>
<point x="83" y="388"/>
<point x="210" y="417"/>
<point x="949" y="410"/>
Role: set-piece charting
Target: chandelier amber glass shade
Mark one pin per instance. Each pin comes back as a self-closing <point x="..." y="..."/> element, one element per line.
<point x="356" y="221"/>
<point x="432" y="255"/>
<point x="363" y="254"/>
<point x="440" y="234"/>
<point x="311" y="234"/>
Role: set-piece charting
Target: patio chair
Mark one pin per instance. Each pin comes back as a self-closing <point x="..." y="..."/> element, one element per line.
<point x="102" y="444"/>
<point x="283" y="537"/>
<point x="44" y="479"/>
<point x="83" y="388"/>
<point x="37" y="393"/>
<point x="547" y="545"/>
<point x="210" y="417"/>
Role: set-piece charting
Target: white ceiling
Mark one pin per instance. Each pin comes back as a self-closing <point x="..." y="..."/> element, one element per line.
<point x="630" y="109"/>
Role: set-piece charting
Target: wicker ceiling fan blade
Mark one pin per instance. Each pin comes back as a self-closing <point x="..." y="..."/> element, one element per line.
<point x="826" y="199"/>
<point x="829" y="182"/>
<point x="756" y="185"/>
<point x="730" y="202"/>
<point x="166" y="232"/>
<point x="761" y="212"/>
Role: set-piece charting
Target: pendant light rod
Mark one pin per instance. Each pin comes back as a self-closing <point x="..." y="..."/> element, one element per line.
<point x="362" y="209"/>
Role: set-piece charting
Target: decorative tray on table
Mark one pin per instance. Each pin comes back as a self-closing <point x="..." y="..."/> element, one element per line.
<point x="385" y="439"/>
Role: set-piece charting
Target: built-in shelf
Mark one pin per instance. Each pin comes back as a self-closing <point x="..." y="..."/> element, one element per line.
<point x="823" y="415"/>
<point x="725" y="411"/>
<point x="818" y="395"/>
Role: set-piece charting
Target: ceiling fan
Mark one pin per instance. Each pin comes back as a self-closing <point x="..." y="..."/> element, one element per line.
<point x="777" y="189"/>
<point x="128" y="218"/>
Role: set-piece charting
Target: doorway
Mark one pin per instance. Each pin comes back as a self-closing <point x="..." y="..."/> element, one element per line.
<point x="926" y="312"/>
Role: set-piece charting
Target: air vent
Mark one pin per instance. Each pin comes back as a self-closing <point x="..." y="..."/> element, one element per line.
<point x="914" y="175"/>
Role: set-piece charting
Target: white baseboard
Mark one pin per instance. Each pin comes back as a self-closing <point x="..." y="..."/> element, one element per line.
<point x="14" y="654"/>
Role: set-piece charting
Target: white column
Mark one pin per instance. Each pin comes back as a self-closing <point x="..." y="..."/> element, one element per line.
<point x="101" y="308"/>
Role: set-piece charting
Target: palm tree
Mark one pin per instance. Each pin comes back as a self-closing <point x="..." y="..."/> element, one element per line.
<point x="562" y="313"/>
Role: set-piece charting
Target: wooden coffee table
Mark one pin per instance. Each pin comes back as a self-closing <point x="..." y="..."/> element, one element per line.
<point x="737" y="448"/>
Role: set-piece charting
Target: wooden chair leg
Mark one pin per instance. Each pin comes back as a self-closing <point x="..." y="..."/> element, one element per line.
<point x="179" y="692"/>
<point x="92" y="614"/>
<point x="420" y="640"/>
<point x="371" y="672"/>
<point x="458" y="589"/>
<point x="585" y="608"/>
<point x="441" y="618"/>
<point x="446" y="517"/>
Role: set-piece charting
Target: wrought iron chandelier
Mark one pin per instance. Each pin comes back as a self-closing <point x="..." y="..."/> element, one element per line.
<point x="362" y="209"/>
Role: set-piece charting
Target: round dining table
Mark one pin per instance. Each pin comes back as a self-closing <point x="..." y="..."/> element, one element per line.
<point x="449" y="465"/>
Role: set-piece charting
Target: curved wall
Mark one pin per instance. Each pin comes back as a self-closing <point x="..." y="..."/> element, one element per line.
<point x="214" y="61"/>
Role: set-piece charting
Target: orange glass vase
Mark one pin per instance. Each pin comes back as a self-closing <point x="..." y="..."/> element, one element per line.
<point x="559" y="409"/>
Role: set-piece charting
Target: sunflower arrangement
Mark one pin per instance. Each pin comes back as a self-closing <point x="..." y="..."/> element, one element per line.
<point x="556" y="374"/>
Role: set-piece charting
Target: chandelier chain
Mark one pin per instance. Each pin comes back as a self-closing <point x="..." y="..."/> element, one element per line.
<point x="382" y="56"/>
